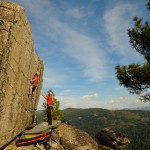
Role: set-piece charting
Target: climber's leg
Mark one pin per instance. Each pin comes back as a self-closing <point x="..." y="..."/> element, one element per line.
<point x="33" y="90"/>
<point x="30" y="89"/>
<point x="49" y="115"/>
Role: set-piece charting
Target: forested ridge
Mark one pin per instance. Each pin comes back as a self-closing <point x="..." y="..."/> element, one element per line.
<point x="135" y="124"/>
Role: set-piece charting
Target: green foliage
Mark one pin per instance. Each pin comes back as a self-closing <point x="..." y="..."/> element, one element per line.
<point x="140" y="37"/>
<point x="135" y="124"/>
<point x="135" y="77"/>
<point x="148" y="4"/>
<point x="56" y="112"/>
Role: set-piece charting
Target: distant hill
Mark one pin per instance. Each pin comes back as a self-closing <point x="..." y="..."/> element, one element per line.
<point x="133" y="123"/>
<point x="39" y="116"/>
<point x="139" y="108"/>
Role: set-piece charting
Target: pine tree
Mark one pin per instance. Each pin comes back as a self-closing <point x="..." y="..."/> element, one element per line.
<point x="56" y="112"/>
<point x="136" y="77"/>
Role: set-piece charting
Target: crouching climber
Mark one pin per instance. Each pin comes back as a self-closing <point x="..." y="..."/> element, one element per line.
<point x="49" y="103"/>
<point x="34" y="83"/>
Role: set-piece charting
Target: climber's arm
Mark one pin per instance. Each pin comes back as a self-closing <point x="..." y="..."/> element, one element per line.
<point x="44" y="95"/>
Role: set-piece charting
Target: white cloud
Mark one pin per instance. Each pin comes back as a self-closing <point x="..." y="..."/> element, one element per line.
<point x="36" y="8"/>
<point x="77" y="102"/>
<point x="84" y="50"/>
<point x="89" y="97"/>
<point x="50" y="23"/>
<point x="116" y="22"/>
<point x="53" y="78"/>
<point x="142" y="103"/>
<point x="67" y="91"/>
<point x="88" y="53"/>
<point x="116" y="101"/>
<point x="51" y="82"/>
<point x="116" y="25"/>
<point x="130" y="101"/>
<point x="77" y="13"/>
<point x="66" y="102"/>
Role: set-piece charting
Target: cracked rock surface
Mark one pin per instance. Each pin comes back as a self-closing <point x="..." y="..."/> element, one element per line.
<point x="65" y="137"/>
<point x="18" y="63"/>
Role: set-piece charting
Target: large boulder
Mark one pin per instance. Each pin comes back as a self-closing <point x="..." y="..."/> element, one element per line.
<point x="72" y="138"/>
<point x="111" y="138"/>
<point x="18" y="63"/>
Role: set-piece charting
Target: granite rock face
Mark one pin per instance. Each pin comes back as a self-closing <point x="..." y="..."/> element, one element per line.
<point x="18" y="63"/>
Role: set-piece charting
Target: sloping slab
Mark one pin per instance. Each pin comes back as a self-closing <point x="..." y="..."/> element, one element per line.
<point x="38" y="133"/>
<point x="42" y="128"/>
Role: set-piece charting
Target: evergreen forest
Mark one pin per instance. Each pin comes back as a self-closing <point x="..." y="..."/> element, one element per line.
<point x="135" y="124"/>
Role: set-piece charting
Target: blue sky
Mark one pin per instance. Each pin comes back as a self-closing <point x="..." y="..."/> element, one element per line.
<point x="80" y="43"/>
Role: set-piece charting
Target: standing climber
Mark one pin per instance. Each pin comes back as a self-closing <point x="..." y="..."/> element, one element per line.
<point x="34" y="83"/>
<point x="49" y="101"/>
